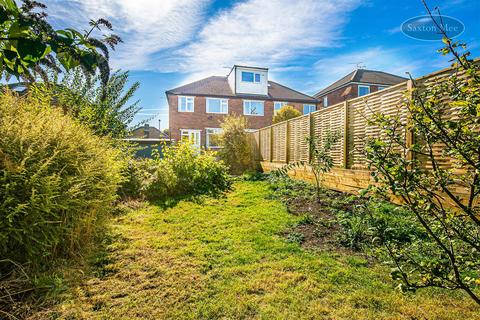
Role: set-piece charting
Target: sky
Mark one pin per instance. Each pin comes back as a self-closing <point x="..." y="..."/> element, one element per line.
<point x="306" y="44"/>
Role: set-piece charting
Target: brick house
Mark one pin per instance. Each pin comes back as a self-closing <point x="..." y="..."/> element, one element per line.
<point x="356" y="84"/>
<point x="197" y="109"/>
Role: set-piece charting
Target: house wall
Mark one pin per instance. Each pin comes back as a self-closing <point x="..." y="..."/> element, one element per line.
<point x="344" y="93"/>
<point x="200" y="119"/>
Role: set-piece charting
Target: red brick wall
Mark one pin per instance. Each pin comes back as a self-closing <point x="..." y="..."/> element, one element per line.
<point x="200" y="119"/>
<point x="344" y="93"/>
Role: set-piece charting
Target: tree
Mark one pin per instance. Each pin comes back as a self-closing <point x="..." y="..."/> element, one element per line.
<point x="444" y="116"/>
<point x="285" y="113"/>
<point x="106" y="109"/>
<point x="29" y="44"/>
<point x="235" y="143"/>
<point x="320" y="161"/>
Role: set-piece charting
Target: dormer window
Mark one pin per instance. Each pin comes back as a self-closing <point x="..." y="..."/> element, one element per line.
<point x="248" y="76"/>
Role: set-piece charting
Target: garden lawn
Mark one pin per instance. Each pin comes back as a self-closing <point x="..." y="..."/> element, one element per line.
<point x="226" y="258"/>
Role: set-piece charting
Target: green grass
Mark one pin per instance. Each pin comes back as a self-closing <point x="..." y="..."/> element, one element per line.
<point x="226" y="259"/>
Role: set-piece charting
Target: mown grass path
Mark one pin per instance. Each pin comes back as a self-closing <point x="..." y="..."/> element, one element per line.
<point x="225" y="259"/>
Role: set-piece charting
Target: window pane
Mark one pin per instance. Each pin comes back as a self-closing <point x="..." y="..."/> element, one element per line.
<point x="213" y="137"/>
<point x="381" y="88"/>
<point x="224" y="106"/>
<point x="325" y="102"/>
<point x="189" y="104"/>
<point x="257" y="77"/>
<point x="278" y="105"/>
<point x="362" y="90"/>
<point x="185" y="104"/>
<point x="308" y="108"/>
<point x="247" y="76"/>
<point x="253" y="108"/>
<point x="214" y="105"/>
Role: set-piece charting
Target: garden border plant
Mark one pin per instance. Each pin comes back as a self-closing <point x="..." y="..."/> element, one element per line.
<point x="320" y="159"/>
<point x="452" y="258"/>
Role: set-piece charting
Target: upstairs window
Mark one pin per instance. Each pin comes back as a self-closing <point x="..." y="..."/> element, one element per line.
<point x="308" y="108"/>
<point x="250" y="77"/>
<point x="325" y="101"/>
<point x="381" y="88"/>
<point x="185" y="104"/>
<point x="363" y="90"/>
<point x="217" y="105"/>
<point x="277" y="105"/>
<point x="252" y="108"/>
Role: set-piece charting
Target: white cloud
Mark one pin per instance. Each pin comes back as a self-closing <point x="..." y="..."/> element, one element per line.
<point x="146" y="26"/>
<point x="264" y="33"/>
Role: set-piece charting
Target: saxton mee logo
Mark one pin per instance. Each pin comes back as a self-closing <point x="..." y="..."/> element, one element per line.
<point x="424" y="28"/>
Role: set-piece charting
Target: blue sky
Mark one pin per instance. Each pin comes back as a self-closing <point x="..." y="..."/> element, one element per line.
<point x="306" y="44"/>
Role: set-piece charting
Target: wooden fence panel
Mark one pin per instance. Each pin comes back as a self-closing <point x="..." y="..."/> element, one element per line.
<point x="286" y="141"/>
<point x="298" y="131"/>
<point x="279" y="152"/>
<point x="255" y="144"/>
<point x="265" y="144"/>
<point x="390" y="101"/>
<point x="452" y="114"/>
<point x="331" y="120"/>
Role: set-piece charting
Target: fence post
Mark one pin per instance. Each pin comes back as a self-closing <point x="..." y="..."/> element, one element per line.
<point x="310" y="135"/>
<point x="287" y="141"/>
<point x="409" y="133"/>
<point x="345" y="136"/>
<point x="271" y="143"/>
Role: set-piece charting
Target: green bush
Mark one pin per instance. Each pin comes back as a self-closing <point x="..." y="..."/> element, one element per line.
<point x="377" y="222"/>
<point x="285" y="113"/>
<point x="137" y="174"/>
<point x="57" y="181"/>
<point x="236" y="148"/>
<point x="182" y="171"/>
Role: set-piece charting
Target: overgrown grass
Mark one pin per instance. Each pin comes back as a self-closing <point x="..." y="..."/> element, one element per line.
<point x="228" y="258"/>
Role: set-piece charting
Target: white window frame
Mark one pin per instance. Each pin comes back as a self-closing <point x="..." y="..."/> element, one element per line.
<point x="187" y="132"/>
<point x="254" y="115"/>
<point x="250" y="130"/>
<point x="358" y="92"/>
<point x="223" y="103"/>
<point x="310" y="109"/>
<point x="254" y="77"/>
<point x="207" y="136"/>
<point x="281" y="103"/>
<point x="188" y="99"/>
<point x="325" y="101"/>
<point x="381" y="88"/>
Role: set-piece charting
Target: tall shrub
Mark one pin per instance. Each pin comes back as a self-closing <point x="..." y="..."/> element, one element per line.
<point x="236" y="148"/>
<point x="285" y="113"/>
<point x="185" y="170"/>
<point x="57" y="181"/>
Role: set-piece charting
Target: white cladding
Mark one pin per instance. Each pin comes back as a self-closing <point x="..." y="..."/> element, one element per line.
<point x="247" y="87"/>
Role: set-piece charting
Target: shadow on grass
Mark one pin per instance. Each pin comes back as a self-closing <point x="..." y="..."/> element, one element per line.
<point x="173" y="201"/>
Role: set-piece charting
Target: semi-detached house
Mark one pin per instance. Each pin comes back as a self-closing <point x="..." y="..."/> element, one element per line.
<point x="197" y="109"/>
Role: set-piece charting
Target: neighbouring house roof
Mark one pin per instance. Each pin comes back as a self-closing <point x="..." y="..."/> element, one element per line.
<point x="217" y="86"/>
<point x="363" y="76"/>
<point x="147" y="132"/>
